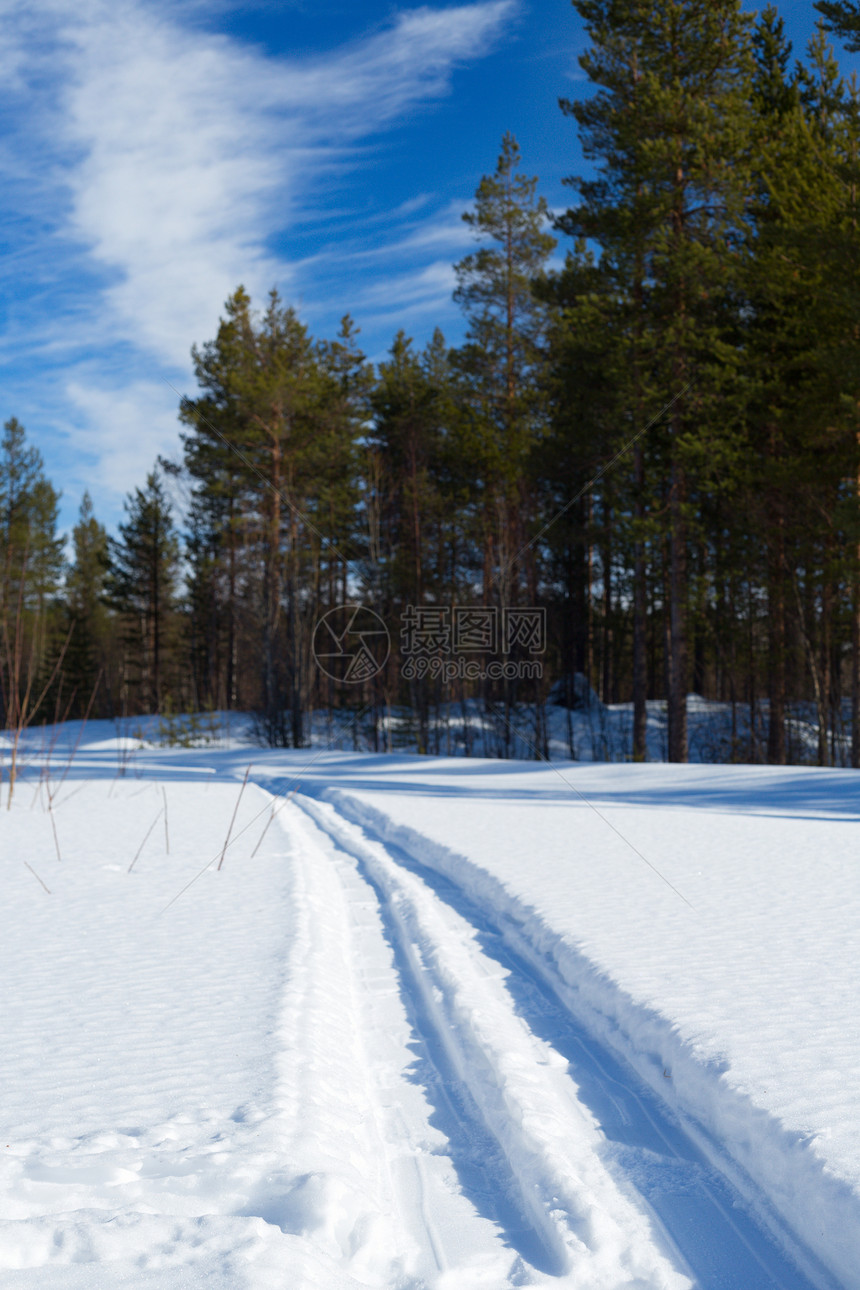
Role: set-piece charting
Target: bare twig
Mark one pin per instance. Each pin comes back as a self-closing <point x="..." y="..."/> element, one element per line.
<point x="21" y="709"/>
<point x="275" y="810"/>
<point x="320" y="752"/>
<point x="70" y="795"/>
<point x="54" y="827"/>
<point x="263" y="834"/>
<point x="36" y="876"/>
<point x="235" y="813"/>
<point x="38" y="788"/>
<point x="166" y="833"/>
<point x="145" y="840"/>
<point x="59" y="723"/>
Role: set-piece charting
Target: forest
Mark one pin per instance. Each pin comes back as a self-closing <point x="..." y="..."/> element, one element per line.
<point x="650" y="434"/>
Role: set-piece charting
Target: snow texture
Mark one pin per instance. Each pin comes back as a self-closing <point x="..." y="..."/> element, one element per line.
<point x="426" y="1023"/>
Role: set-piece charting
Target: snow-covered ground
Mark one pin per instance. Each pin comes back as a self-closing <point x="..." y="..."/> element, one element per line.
<point x="426" y="1022"/>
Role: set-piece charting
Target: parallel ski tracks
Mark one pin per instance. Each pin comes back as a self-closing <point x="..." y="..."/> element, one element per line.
<point x="588" y="1180"/>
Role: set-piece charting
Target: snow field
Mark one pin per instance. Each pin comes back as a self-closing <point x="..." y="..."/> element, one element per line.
<point x="138" y="1050"/>
<point x="442" y="1030"/>
<point x="228" y="1088"/>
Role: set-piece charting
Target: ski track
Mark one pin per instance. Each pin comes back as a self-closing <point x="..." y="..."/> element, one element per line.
<point x="601" y="1185"/>
<point x="368" y="1168"/>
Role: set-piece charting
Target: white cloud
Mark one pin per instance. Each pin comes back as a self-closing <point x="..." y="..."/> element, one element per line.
<point x="122" y="432"/>
<point x="408" y="298"/>
<point x="193" y="150"/>
<point x="388" y="72"/>
<point x="164" y="162"/>
<point x="443" y="230"/>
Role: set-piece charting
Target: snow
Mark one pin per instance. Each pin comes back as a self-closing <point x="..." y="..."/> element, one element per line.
<point x="434" y="1022"/>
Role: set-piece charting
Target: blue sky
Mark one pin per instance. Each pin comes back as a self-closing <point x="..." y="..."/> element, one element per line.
<point x="156" y="153"/>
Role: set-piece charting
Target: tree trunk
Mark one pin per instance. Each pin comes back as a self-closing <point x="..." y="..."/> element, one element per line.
<point x="776" y="646"/>
<point x="606" y="561"/>
<point x="272" y="599"/>
<point x="677" y="638"/>
<point x="855" y="671"/>
<point x="640" y="619"/>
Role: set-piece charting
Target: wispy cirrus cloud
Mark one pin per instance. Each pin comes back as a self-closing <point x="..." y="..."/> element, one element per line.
<point x="195" y="150"/>
<point x="158" y="164"/>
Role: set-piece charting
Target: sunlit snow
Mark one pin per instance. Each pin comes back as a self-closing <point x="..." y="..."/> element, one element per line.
<point x="426" y="1023"/>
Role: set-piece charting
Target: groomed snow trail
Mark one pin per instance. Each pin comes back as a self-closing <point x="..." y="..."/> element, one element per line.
<point x="366" y="1173"/>
<point x="494" y="1163"/>
<point x="600" y="1186"/>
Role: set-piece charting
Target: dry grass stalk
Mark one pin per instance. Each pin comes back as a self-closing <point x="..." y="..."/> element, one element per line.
<point x="235" y="813"/>
<point x="36" y="876"/>
<point x="275" y="810"/>
<point x="145" y="840"/>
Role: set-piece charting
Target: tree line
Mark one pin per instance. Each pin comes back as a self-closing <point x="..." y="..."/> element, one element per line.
<point x="656" y="441"/>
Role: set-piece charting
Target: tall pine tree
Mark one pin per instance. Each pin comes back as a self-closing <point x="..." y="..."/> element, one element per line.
<point x="141" y="584"/>
<point x="667" y="128"/>
<point x="503" y="356"/>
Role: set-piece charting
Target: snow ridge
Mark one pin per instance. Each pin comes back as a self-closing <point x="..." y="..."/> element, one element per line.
<point x="592" y="1232"/>
<point x="811" y="1213"/>
<point x="328" y="1183"/>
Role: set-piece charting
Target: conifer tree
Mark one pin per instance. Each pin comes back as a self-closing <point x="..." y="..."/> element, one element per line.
<point x="412" y="507"/>
<point x="501" y="360"/>
<point x="667" y="127"/>
<point x="842" y="18"/>
<point x="406" y="438"/>
<point x="86" y="656"/>
<point x="30" y="565"/>
<point x="774" y="340"/>
<point x="271" y="448"/>
<point x="32" y="553"/>
<point x="141" y="584"/>
<point x="589" y="391"/>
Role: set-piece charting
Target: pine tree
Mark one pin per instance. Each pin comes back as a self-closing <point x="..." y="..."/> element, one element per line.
<point x="30" y="570"/>
<point x="411" y="506"/>
<point x="827" y="255"/>
<point x="86" y="657"/>
<point x="406" y="439"/>
<point x="668" y="128"/>
<point x="773" y="341"/>
<point x="842" y="18"/>
<point x="141" y="584"/>
<point x="271" y="448"/>
<point x="32" y="553"/>
<point x="502" y="358"/>
<point x="589" y="391"/>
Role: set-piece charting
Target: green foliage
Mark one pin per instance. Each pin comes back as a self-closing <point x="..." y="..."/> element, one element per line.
<point x="187" y="730"/>
<point x="501" y="360"/>
<point x="86" y="660"/>
<point x="32" y="553"/>
<point x="499" y="369"/>
<point x="31" y="564"/>
<point x="141" y="583"/>
<point x="272" y="452"/>
<point x="842" y="18"/>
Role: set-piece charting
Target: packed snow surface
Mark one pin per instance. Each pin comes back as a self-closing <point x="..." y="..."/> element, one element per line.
<point x="426" y="1023"/>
